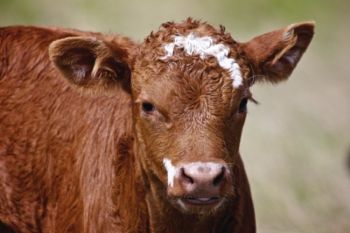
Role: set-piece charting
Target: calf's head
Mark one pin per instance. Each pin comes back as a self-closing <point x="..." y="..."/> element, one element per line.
<point x="190" y="85"/>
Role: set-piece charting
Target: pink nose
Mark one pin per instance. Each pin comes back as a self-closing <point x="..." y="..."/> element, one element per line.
<point x="203" y="178"/>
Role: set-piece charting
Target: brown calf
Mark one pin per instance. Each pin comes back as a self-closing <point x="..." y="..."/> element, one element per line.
<point x="100" y="134"/>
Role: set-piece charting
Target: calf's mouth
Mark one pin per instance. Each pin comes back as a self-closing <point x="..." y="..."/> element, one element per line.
<point x="201" y="200"/>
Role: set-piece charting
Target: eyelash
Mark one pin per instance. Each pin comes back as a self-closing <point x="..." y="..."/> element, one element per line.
<point x="244" y="102"/>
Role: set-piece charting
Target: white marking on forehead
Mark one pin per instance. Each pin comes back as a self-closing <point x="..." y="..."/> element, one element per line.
<point x="171" y="171"/>
<point x="205" y="46"/>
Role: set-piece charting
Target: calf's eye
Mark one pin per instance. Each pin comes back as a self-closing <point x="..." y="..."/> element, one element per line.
<point x="243" y="106"/>
<point x="147" y="107"/>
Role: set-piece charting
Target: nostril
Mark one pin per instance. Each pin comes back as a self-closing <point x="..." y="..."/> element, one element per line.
<point x="220" y="177"/>
<point x="186" y="177"/>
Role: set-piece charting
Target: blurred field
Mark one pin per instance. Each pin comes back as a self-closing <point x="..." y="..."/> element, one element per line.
<point x="296" y="141"/>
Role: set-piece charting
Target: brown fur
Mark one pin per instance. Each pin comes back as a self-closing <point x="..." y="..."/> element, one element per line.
<point x="91" y="160"/>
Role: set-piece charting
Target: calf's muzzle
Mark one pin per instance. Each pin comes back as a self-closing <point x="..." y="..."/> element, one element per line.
<point x="200" y="182"/>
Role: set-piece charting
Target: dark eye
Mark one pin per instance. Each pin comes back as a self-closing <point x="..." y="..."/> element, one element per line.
<point x="147" y="107"/>
<point x="243" y="106"/>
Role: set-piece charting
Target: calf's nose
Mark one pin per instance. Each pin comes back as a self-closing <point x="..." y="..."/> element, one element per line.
<point x="203" y="176"/>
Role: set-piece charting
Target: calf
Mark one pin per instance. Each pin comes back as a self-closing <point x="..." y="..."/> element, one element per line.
<point x="101" y="134"/>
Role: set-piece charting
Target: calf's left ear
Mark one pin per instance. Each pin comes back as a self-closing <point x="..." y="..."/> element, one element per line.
<point x="91" y="64"/>
<point x="274" y="55"/>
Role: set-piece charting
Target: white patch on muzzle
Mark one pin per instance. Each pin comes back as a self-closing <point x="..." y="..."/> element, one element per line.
<point x="171" y="171"/>
<point x="208" y="168"/>
<point x="204" y="46"/>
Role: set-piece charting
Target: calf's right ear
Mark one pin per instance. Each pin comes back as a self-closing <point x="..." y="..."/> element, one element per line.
<point x="91" y="64"/>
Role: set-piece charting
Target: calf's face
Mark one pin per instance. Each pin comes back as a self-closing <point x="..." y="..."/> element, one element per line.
<point x="190" y="88"/>
<point x="190" y="99"/>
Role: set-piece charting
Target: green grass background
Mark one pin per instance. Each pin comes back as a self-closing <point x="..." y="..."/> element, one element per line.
<point x="296" y="142"/>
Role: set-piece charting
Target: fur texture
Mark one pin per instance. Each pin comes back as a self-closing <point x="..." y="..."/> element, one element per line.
<point x="86" y="121"/>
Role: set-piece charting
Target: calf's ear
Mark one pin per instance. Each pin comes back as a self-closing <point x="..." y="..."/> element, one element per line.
<point x="274" y="55"/>
<point x="91" y="64"/>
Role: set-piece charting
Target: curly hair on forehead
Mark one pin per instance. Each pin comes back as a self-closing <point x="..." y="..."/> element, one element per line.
<point x="161" y="50"/>
<point x="170" y="29"/>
